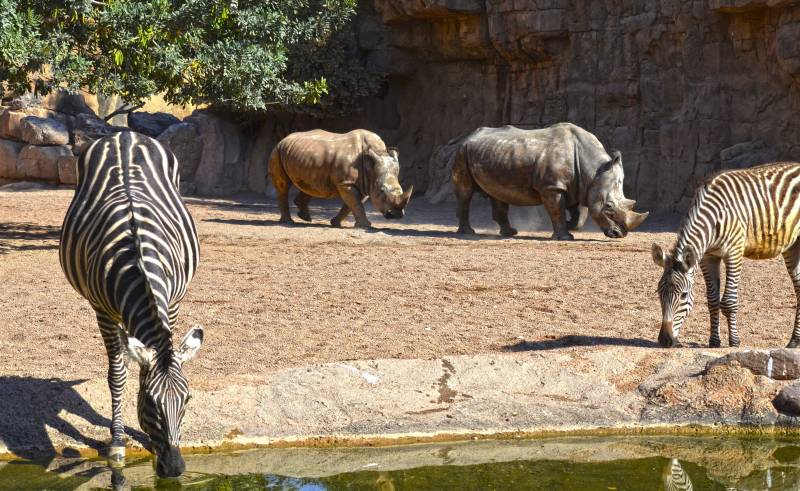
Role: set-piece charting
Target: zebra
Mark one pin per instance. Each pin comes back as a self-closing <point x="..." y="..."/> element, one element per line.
<point x="129" y="246"/>
<point x="675" y="478"/>
<point x="753" y="213"/>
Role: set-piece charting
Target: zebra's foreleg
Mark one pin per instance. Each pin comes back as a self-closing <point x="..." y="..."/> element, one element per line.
<point x="117" y="376"/>
<point x="730" y="299"/>
<point x="710" y="267"/>
<point x="792" y="259"/>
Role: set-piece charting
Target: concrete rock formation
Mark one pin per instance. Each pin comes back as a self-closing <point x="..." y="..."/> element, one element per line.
<point x="151" y="124"/>
<point x="681" y="88"/>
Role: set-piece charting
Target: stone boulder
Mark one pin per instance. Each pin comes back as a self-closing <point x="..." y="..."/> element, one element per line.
<point x="223" y="158"/>
<point x="777" y="364"/>
<point x="9" y="156"/>
<point x="41" y="162"/>
<point x="183" y="140"/>
<point x="89" y="128"/>
<point x="151" y="124"/>
<point x="43" y="131"/>
<point x="67" y="169"/>
<point x="788" y="400"/>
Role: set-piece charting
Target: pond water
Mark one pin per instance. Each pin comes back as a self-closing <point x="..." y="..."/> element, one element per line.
<point x="580" y="463"/>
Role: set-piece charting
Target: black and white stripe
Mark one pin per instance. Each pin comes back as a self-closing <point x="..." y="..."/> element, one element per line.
<point x="749" y="213"/>
<point x="129" y="246"/>
<point x="675" y="478"/>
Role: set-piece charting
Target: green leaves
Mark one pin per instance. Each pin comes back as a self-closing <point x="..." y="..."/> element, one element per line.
<point x="256" y="55"/>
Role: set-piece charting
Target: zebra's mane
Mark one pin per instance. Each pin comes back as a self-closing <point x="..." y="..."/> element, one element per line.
<point x="692" y="227"/>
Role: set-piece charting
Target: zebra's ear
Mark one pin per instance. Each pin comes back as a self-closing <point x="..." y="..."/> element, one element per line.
<point x="690" y="258"/>
<point x="140" y="353"/>
<point x="659" y="256"/>
<point x="190" y="344"/>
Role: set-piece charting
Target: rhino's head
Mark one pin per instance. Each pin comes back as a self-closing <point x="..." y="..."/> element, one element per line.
<point x="609" y="208"/>
<point x="386" y="194"/>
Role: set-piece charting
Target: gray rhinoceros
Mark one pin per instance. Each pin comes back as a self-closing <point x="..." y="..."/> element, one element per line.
<point x="351" y="166"/>
<point x="562" y="167"/>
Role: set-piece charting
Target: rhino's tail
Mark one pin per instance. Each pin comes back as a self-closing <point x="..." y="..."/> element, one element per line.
<point x="462" y="160"/>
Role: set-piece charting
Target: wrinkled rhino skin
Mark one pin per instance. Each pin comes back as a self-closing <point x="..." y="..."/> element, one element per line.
<point x="563" y="167"/>
<point x="352" y="166"/>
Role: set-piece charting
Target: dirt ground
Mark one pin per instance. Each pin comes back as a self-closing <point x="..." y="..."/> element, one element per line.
<point x="272" y="297"/>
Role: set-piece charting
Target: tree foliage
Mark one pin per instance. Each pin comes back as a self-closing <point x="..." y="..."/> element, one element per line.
<point x="240" y="55"/>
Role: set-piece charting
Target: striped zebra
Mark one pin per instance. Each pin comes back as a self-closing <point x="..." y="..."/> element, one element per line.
<point x="751" y="213"/>
<point x="675" y="478"/>
<point x="129" y="246"/>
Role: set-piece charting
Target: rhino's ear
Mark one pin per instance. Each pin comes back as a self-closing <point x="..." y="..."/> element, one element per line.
<point x="616" y="157"/>
<point x="394" y="152"/>
<point x="374" y="158"/>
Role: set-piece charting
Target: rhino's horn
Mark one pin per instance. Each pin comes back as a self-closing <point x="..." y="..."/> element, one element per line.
<point x="633" y="219"/>
<point x="407" y="193"/>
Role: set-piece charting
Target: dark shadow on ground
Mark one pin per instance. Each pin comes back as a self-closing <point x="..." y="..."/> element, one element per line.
<point x="29" y="406"/>
<point x="578" y="340"/>
<point x="13" y="236"/>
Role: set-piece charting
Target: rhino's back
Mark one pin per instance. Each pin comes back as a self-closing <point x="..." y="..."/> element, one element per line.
<point x="317" y="160"/>
<point x="514" y="164"/>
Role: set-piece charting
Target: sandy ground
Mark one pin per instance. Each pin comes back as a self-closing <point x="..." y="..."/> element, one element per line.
<point x="272" y="297"/>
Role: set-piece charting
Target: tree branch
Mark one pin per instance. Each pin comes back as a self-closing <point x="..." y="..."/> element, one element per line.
<point x="123" y="110"/>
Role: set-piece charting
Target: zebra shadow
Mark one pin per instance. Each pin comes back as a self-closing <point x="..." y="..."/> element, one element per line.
<point x="579" y="340"/>
<point x="17" y="236"/>
<point x="30" y="407"/>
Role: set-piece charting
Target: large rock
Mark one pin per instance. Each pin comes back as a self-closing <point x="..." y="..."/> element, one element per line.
<point x="223" y="158"/>
<point x="89" y="128"/>
<point x="778" y="364"/>
<point x="9" y="156"/>
<point x="151" y="124"/>
<point x="788" y="400"/>
<point x="183" y="140"/>
<point x="43" y="131"/>
<point x="41" y="162"/>
<point x="67" y="169"/>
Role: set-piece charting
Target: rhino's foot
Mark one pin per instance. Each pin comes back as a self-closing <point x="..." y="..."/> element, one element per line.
<point x="336" y="223"/>
<point x="304" y="215"/>
<point x="364" y="225"/>
<point x="465" y="230"/>
<point x="286" y="221"/>
<point x="508" y="232"/>
<point x="564" y="236"/>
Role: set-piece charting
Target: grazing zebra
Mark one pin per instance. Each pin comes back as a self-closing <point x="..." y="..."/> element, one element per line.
<point x="675" y="478"/>
<point x="129" y="246"/>
<point x="751" y="213"/>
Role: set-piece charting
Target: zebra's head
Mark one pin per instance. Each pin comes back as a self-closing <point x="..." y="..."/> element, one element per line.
<point x="163" y="394"/>
<point x="674" y="291"/>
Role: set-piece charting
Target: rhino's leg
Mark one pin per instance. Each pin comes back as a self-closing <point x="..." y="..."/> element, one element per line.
<point x="282" y="184"/>
<point x="465" y="187"/>
<point x="301" y="200"/>
<point x="555" y="202"/>
<point x="500" y="215"/>
<point x="340" y="217"/>
<point x="577" y="217"/>
<point x="353" y="200"/>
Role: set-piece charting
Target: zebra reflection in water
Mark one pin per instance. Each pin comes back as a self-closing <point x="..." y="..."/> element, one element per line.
<point x="675" y="478"/>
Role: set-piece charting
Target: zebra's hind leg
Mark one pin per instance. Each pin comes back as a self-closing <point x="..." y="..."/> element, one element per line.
<point x="730" y="299"/>
<point x="792" y="260"/>
<point x="117" y="376"/>
<point x="710" y="267"/>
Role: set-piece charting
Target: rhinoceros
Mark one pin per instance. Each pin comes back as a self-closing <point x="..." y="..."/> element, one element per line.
<point x="563" y="167"/>
<point x="352" y="166"/>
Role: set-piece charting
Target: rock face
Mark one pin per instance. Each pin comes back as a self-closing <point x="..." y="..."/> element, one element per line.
<point x="43" y="131"/>
<point x="151" y="124"/>
<point x="681" y="88"/>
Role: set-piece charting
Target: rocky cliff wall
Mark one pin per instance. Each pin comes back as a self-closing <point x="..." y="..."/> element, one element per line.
<point x="682" y="88"/>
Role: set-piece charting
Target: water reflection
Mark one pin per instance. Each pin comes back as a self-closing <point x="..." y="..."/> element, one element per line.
<point x="668" y="463"/>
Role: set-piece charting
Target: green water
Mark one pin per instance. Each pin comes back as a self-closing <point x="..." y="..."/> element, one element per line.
<point x="641" y="463"/>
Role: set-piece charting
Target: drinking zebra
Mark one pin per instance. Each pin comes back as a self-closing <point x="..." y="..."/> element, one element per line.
<point x="751" y="213"/>
<point x="129" y="246"/>
<point x="675" y="478"/>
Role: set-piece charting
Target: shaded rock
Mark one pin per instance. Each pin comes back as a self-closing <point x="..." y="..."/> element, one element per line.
<point x="440" y="171"/>
<point x="43" y="131"/>
<point x="89" y="128"/>
<point x="747" y="154"/>
<point x="67" y="169"/>
<point x="151" y="124"/>
<point x="778" y="364"/>
<point x="788" y="400"/>
<point x="10" y="124"/>
<point x="222" y="162"/>
<point x="41" y="162"/>
<point x="9" y="156"/>
<point x="183" y="140"/>
<point x="63" y="101"/>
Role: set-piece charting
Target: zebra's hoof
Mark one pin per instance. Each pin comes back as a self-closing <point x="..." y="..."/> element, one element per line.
<point x="116" y="456"/>
<point x="793" y="344"/>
